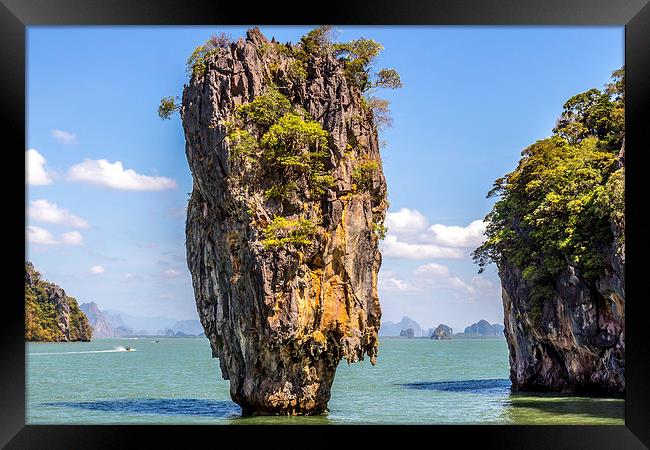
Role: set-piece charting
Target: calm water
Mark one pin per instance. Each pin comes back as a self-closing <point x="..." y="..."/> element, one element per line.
<point x="177" y="381"/>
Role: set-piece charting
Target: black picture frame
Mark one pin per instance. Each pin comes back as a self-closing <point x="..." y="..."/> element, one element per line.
<point x="16" y="15"/>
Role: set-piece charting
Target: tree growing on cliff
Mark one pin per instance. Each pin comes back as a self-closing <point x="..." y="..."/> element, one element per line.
<point x="168" y="106"/>
<point x="358" y="57"/>
<point x="45" y="311"/>
<point x="564" y="203"/>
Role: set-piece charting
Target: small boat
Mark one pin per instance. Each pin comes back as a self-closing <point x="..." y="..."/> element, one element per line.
<point x="156" y="341"/>
<point x="130" y="349"/>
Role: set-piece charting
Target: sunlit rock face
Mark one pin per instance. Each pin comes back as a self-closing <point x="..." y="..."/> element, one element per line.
<point x="280" y="318"/>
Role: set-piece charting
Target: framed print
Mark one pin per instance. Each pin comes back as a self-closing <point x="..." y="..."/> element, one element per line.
<point x="398" y="218"/>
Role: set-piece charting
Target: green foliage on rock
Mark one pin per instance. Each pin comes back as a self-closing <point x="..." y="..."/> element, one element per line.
<point x="297" y="71"/>
<point x="299" y="146"/>
<point x="318" y="41"/>
<point x="281" y="191"/>
<point x="43" y="319"/>
<point x="388" y="78"/>
<point x="357" y="56"/>
<point x="168" y="106"/>
<point x="380" y="230"/>
<point x="563" y="204"/>
<point x="362" y="174"/>
<point x="242" y="144"/>
<point x="196" y="63"/>
<point x="283" y="231"/>
<point x="290" y="142"/>
<point x="266" y="109"/>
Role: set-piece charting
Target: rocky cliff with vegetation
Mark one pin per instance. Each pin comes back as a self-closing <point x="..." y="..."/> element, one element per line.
<point x="557" y="237"/>
<point x="51" y="315"/>
<point x="286" y="211"/>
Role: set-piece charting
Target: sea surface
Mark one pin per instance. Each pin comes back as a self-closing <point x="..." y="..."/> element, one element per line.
<point x="176" y="381"/>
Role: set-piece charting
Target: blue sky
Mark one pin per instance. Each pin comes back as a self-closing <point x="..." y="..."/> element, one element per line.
<point x="112" y="233"/>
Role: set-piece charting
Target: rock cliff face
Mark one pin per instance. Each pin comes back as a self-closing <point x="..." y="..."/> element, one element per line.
<point x="579" y="343"/>
<point x="50" y="315"/>
<point x="284" y="274"/>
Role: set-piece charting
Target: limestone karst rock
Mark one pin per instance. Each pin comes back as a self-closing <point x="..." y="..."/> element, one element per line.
<point x="557" y="236"/>
<point x="408" y="333"/>
<point x="283" y="222"/>
<point x="442" y="331"/>
<point x="580" y="344"/>
<point x="99" y="321"/>
<point x="50" y="314"/>
<point x="484" y="328"/>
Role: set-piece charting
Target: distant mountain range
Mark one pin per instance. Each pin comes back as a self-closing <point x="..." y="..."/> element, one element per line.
<point x="408" y="327"/>
<point x="116" y="324"/>
<point x="395" y="329"/>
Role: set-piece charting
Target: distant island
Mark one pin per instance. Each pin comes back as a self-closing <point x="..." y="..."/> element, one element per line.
<point x="392" y="329"/>
<point x="483" y="328"/>
<point x="442" y="331"/>
<point x="410" y="329"/>
<point x="50" y="314"/>
<point x="116" y="324"/>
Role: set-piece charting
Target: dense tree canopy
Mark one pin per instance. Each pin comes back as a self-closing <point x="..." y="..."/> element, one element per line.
<point x="564" y="203"/>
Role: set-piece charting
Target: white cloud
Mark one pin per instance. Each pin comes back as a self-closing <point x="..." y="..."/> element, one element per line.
<point x="393" y="284"/>
<point x="454" y="236"/>
<point x="38" y="235"/>
<point x="392" y="247"/>
<point x="432" y="270"/>
<point x="440" y="276"/>
<point x="65" y="137"/>
<point x="44" y="211"/>
<point x="411" y="237"/>
<point x="113" y="175"/>
<point x="97" y="270"/>
<point x="128" y="276"/>
<point x="171" y="273"/>
<point x="41" y="236"/>
<point x="72" y="238"/>
<point x="406" y="221"/>
<point x="37" y="175"/>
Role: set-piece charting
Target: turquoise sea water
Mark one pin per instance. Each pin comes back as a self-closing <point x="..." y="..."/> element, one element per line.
<point x="176" y="381"/>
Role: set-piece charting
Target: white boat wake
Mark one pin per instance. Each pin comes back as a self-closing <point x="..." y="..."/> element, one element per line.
<point x="115" y="350"/>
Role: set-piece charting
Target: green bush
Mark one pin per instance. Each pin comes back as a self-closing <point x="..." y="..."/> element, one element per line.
<point x="388" y="78"/>
<point x="380" y="230"/>
<point x="266" y="109"/>
<point x="281" y="191"/>
<point x="362" y="174"/>
<point x="300" y="145"/>
<point x="242" y="144"/>
<point x="283" y="231"/>
<point x="297" y="71"/>
<point x="196" y="61"/>
<point x="167" y="107"/>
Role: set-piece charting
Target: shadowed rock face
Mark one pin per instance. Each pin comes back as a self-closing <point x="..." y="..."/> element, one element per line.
<point x="442" y="332"/>
<point x="280" y="319"/>
<point x="579" y="343"/>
